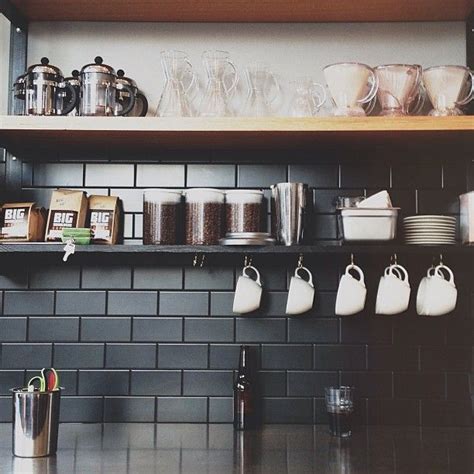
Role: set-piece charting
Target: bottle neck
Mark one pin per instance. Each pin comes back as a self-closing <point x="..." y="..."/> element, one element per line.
<point x="243" y="360"/>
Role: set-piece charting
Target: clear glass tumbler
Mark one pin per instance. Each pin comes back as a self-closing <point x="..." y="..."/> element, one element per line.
<point x="340" y="407"/>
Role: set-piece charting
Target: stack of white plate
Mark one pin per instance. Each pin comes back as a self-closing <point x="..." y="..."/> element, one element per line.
<point x="430" y="230"/>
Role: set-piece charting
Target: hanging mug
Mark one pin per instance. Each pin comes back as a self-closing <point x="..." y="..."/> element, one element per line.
<point x="393" y="294"/>
<point x="351" y="293"/>
<point x="248" y="292"/>
<point x="301" y="292"/>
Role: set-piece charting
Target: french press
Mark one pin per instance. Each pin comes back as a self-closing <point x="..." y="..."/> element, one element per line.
<point x="75" y="82"/>
<point x="44" y="91"/>
<point x="100" y="91"/>
<point x="140" y="108"/>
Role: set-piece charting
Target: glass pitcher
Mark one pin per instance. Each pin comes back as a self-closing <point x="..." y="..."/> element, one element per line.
<point x="222" y="80"/>
<point x="263" y="90"/>
<point x="351" y="85"/>
<point x="400" y="92"/>
<point x="307" y="97"/>
<point x="180" y="85"/>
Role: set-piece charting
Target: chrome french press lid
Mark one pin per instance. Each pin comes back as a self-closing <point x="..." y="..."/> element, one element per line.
<point x="123" y="79"/>
<point x="97" y="67"/>
<point x="74" y="79"/>
<point x="44" y="69"/>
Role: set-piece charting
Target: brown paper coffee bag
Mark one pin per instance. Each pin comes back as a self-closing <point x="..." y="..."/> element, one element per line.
<point x="105" y="216"/>
<point x="68" y="209"/>
<point x="22" y="222"/>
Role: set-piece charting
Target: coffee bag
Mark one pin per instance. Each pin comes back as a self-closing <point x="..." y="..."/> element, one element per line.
<point x="105" y="219"/>
<point x="22" y="222"/>
<point x="68" y="209"/>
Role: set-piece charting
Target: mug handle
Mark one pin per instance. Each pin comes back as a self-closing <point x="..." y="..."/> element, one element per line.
<point x="448" y="271"/>
<point x="358" y="270"/>
<point x="310" y="276"/>
<point x="373" y="88"/>
<point x="321" y="98"/>
<point x="470" y="95"/>
<point x="402" y="271"/>
<point x="250" y="267"/>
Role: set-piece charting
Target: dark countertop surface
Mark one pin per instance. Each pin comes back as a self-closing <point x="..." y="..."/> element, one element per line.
<point x="216" y="449"/>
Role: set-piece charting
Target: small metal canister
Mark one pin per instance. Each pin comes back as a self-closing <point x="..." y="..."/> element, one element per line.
<point x="35" y="422"/>
<point x="467" y="217"/>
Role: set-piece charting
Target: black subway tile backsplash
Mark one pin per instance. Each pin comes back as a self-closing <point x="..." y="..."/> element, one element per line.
<point x="158" y="341"/>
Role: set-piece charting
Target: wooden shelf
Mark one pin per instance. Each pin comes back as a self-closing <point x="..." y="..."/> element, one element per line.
<point x="245" y="10"/>
<point x="115" y="133"/>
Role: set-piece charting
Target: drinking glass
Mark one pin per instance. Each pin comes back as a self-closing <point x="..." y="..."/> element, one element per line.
<point x="222" y="80"/>
<point x="340" y="407"/>
<point x="180" y="85"/>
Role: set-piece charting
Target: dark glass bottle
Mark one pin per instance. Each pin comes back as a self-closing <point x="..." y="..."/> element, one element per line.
<point x="244" y="415"/>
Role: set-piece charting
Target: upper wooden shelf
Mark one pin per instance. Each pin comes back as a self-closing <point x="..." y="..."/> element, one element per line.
<point x="245" y="10"/>
<point x="20" y="133"/>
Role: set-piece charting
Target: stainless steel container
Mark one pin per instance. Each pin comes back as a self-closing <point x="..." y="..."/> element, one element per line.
<point x="289" y="212"/>
<point x="467" y="217"/>
<point x="35" y="422"/>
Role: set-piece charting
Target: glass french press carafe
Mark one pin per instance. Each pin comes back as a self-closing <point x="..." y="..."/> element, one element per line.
<point x="44" y="91"/>
<point x="180" y="85"/>
<point x="307" y="98"/>
<point x="100" y="91"/>
<point x="222" y="80"/>
<point x="263" y="90"/>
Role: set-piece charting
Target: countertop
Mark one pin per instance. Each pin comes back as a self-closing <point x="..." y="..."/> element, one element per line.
<point x="216" y="449"/>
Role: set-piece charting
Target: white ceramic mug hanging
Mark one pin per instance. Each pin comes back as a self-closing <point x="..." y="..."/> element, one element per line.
<point x="352" y="292"/>
<point x="248" y="291"/>
<point x="301" y="291"/>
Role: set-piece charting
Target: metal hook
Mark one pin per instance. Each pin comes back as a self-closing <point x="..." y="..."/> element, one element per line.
<point x="198" y="260"/>
<point x="300" y="260"/>
<point x="393" y="259"/>
<point x="247" y="261"/>
<point x="352" y="259"/>
<point x="441" y="259"/>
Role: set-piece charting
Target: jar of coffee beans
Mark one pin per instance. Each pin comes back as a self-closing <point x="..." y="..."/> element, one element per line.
<point x="204" y="222"/>
<point x="243" y="210"/>
<point x="162" y="216"/>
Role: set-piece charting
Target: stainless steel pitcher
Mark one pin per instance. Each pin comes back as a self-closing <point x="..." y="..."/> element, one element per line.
<point x="35" y="422"/>
<point x="289" y="207"/>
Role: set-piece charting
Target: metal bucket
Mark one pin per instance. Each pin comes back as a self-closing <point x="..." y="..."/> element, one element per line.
<point x="35" y="422"/>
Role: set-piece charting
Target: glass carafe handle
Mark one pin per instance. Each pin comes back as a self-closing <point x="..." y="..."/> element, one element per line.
<point x="315" y="94"/>
<point x="192" y="89"/>
<point x="373" y="89"/>
<point x="470" y="95"/>
<point x="420" y="101"/>
<point x="231" y="89"/>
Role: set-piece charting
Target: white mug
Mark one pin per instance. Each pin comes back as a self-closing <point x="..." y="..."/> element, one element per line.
<point x="393" y="294"/>
<point x="421" y="293"/>
<point x="301" y="293"/>
<point x="437" y="296"/>
<point x="248" y="292"/>
<point x="351" y="293"/>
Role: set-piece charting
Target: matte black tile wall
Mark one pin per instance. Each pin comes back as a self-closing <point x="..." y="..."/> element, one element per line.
<point x="160" y="343"/>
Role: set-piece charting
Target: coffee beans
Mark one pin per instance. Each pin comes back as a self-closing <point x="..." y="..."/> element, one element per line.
<point x="160" y="223"/>
<point x="243" y="217"/>
<point x="204" y="223"/>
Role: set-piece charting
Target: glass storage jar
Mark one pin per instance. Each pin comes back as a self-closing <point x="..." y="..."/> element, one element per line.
<point x="161" y="216"/>
<point x="243" y="210"/>
<point x="204" y="216"/>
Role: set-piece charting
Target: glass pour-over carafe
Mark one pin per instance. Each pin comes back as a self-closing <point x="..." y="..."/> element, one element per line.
<point x="222" y="79"/>
<point x="307" y="98"/>
<point x="263" y="90"/>
<point x="180" y="85"/>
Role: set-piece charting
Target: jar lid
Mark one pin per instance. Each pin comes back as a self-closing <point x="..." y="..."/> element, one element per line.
<point x="204" y="195"/>
<point x="123" y="79"/>
<point x="98" y="67"/>
<point x="163" y="195"/>
<point x="242" y="196"/>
